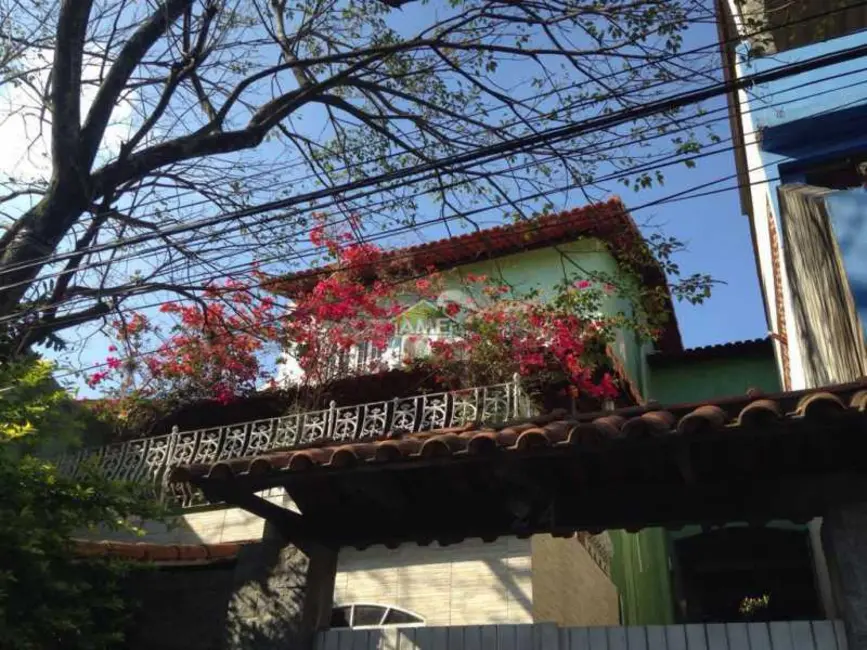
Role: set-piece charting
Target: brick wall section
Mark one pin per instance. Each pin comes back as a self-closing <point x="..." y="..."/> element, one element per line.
<point x="782" y="333"/>
<point x="569" y="588"/>
<point x="471" y="583"/>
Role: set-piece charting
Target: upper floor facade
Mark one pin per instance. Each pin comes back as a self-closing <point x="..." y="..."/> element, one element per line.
<point x="530" y="258"/>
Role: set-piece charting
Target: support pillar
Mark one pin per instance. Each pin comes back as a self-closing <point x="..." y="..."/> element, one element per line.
<point x="844" y="538"/>
<point x="282" y="594"/>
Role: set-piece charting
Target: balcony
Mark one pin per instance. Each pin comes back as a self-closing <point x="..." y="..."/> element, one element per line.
<point x="149" y="460"/>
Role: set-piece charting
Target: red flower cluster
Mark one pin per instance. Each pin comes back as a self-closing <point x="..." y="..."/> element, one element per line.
<point x="532" y="338"/>
<point x="213" y="349"/>
<point x="211" y="352"/>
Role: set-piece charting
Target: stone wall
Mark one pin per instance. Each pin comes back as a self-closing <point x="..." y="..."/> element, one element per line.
<point x="272" y="596"/>
<point x="280" y="595"/>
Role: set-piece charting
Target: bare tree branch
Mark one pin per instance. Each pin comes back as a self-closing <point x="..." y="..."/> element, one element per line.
<point x="197" y="106"/>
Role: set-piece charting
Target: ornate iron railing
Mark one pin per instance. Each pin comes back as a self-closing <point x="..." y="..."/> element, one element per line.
<point x="150" y="460"/>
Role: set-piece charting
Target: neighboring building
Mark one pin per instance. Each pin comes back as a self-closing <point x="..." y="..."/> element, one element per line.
<point x="693" y="575"/>
<point x="713" y="372"/>
<point x="801" y="146"/>
<point x="801" y="153"/>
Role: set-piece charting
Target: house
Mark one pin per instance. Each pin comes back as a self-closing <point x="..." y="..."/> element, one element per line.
<point x="538" y="254"/>
<point x="511" y="580"/>
<point x="685" y="507"/>
<point x="799" y="144"/>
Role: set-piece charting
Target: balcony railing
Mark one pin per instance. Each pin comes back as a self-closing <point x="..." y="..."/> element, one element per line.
<point x="150" y="460"/>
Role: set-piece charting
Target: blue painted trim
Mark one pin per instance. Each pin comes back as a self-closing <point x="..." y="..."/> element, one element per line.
<point x="818" y="136"/>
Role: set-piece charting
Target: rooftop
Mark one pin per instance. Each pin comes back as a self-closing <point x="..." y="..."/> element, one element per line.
<point x="748" y="348"/>
<point x="752" y="457"/>
<point x="174" y="554"/>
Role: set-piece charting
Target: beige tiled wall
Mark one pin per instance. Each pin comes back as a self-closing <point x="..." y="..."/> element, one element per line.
<point x="569" y="587"/>
<point x="205" y="527"/>
<point x="471" y="583"/>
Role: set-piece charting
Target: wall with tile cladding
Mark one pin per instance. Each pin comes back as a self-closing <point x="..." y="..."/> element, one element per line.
<point x="569" y="588"/>
<point x="211" y="526"/>
<point x="471" y="583"/>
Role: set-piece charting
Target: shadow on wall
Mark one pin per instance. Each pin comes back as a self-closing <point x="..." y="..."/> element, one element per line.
<point x="272" y="595"/>
<point x="206" y="606"/>
<point x="267" y="606"/>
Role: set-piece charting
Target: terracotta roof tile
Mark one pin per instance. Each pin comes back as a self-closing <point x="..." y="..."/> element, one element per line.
<point x="746" y="413"/>
<point x="158" y="553"/>
<point x="752" y="347"/>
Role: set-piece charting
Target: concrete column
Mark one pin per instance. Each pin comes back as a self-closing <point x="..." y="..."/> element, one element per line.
<point x="282" y="594"/>
<point x="844" y="537"/>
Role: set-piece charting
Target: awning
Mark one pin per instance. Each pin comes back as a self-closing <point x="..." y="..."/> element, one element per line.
<point x="749" y="458"/>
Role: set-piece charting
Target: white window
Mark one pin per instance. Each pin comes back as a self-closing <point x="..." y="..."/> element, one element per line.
<point x="365" y="615"/>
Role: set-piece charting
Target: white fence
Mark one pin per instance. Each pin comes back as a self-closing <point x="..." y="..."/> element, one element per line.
<point x="798" y="635"/>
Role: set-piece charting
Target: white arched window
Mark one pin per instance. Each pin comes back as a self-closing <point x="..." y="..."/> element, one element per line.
<point x="367" y="615"/>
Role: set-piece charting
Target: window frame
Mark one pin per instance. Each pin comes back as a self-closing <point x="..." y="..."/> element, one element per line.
<point x="386" y="610"/>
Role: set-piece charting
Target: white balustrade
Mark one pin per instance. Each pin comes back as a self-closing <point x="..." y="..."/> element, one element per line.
<point x="150" y="460"/>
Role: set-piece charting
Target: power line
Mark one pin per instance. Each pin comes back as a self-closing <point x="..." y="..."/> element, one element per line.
<point x="683" y="195"/>
<point x="465" y="161"/>
<point x="118" y="243"/>
<point x="650" y="166"/>
<point x="674" y="158"/>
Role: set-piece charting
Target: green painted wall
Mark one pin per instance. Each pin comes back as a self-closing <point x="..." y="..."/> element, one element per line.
<point x="641" y="573"/>
<point x="640" y="567"/>
<point x="546" y="267"/>
<point x="698" y="380"/>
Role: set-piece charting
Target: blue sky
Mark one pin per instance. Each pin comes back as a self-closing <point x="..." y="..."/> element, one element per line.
<point x="716" y="232"/>
<point x="717" y="235"/>
<point x="719" y="243"/>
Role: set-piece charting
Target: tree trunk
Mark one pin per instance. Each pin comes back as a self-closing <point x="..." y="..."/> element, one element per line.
<point x="35" y="237"/>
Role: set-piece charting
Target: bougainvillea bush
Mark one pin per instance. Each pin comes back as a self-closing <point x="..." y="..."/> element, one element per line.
<point x="559" y="338"/>
<point x="219" y="347"/>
